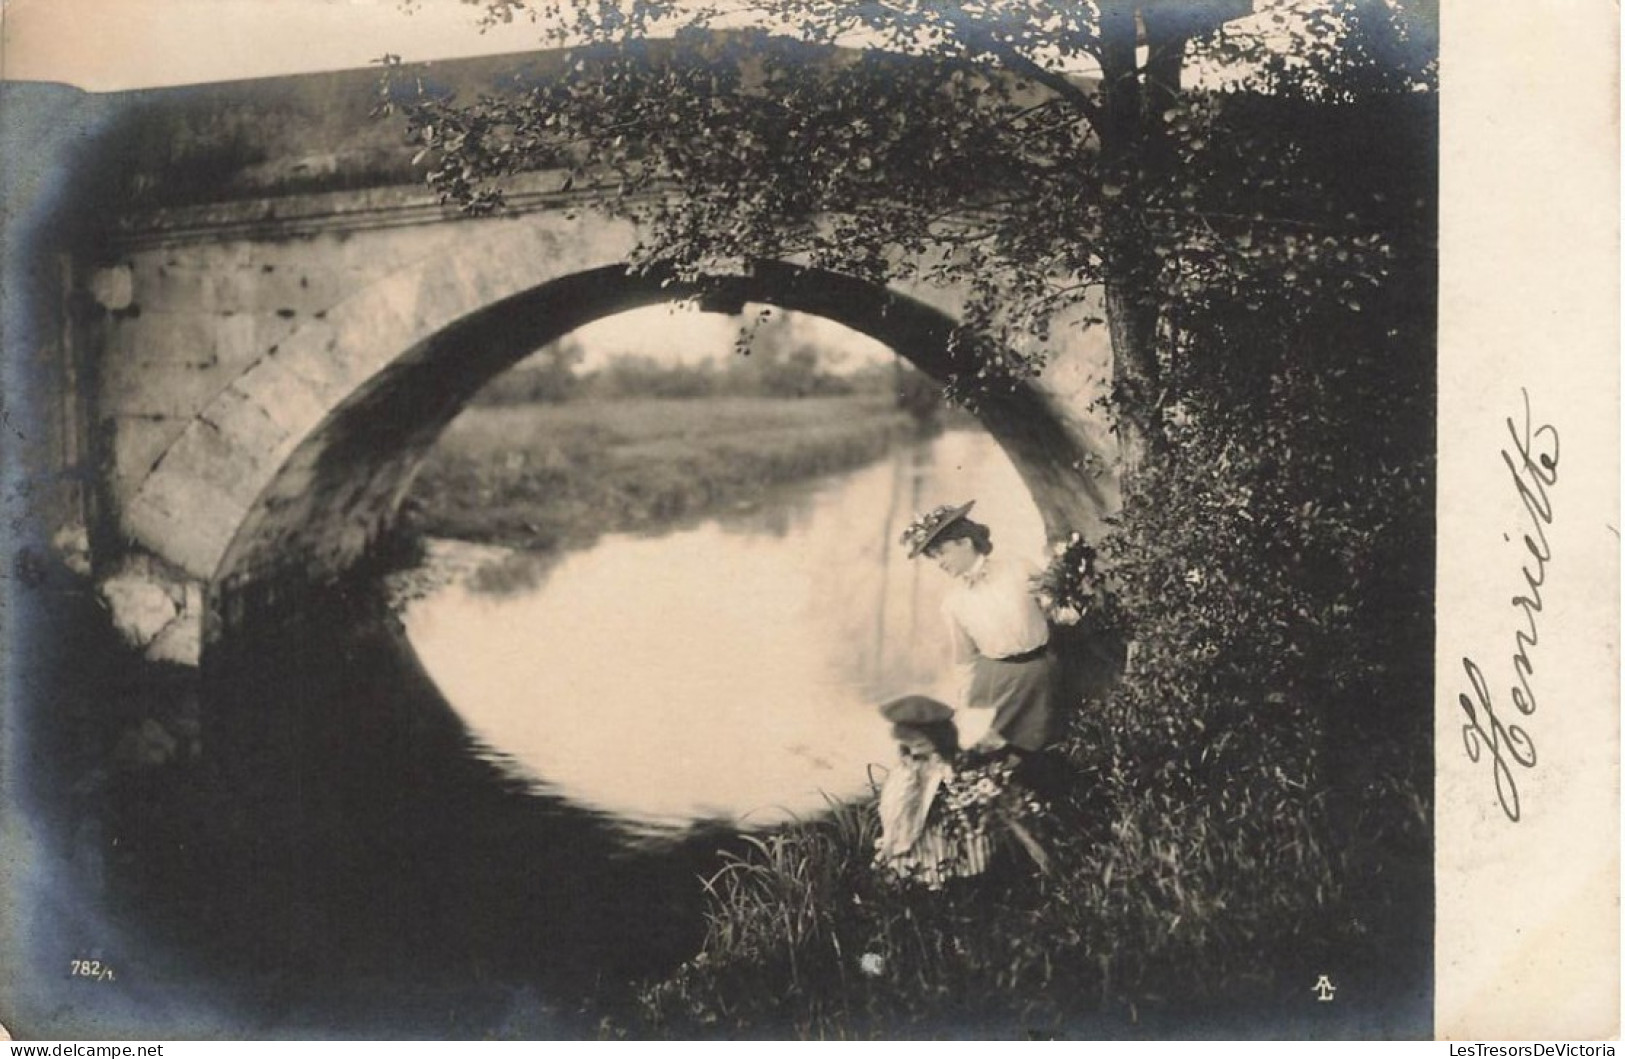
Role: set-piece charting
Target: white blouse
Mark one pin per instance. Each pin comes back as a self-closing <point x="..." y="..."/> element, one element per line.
<point x="992" y="613"/>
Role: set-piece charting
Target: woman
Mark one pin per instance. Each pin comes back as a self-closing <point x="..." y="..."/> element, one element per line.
<point x="917" y="840"/>
<point x="998" y="631"/>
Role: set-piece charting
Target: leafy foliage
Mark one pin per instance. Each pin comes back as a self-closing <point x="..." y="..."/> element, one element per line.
<point x="1023" y="150"/>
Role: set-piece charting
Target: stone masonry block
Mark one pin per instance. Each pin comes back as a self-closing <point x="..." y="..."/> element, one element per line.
<point x="236" y="340"/>
<point x="138" y="444"/>
<point x="307" y="354"/>
<point x="140" y="607"/>
<point x="209" y="460"/>
<point x="164" y="283"/>
<point x="130" y="388"/>
<point x="247" y="428"/>
<point x="290" y="400"/>
<point x="200" y="339"/>
<point x="244" y="338"/>
<point x="370" y="332"/>
<point x="186" y="523"/>
<point x="294" y="287"/>
<point x="442" y="294"/>
<point x="166" y="338"/>
<point x="944" y="300"/>
<point x="154" y="607"/>
<point x="589" y="240"/>
<point x="366" y="255"/>
<point x="181" y="641"/>
<point x="241" y="277"/>
<point x="161" y="285"/>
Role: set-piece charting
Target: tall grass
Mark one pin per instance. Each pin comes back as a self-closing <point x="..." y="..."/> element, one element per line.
<point x="777" y="894"/>
<point x="1163" y="907"/>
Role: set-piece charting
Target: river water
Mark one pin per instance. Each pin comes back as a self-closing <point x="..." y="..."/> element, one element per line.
<point x="724" y="670"/>
<point x="481" y="801"/>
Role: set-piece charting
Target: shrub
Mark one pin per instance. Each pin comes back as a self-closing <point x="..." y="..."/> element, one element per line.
<point x="1247" y="806"/>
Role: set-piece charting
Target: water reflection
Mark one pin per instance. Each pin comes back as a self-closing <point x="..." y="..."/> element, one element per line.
<point x="726" y="669"/>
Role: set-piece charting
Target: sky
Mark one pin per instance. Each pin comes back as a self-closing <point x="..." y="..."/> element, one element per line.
<point x="680" y="332"/>
<point x="108" y="45"/>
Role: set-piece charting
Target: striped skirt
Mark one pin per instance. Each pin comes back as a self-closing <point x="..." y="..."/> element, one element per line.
<point x="935" y="858"/>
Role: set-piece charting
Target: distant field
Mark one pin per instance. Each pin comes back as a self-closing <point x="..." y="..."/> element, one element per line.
<point x="544" y="474"/>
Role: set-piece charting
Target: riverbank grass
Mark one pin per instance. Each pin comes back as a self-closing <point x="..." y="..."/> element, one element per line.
<point x="1163" y="912"/>
<point x="543" y="475"/>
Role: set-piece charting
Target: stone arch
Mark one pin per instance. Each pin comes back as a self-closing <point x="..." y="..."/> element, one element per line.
<point x="296" y="468"/>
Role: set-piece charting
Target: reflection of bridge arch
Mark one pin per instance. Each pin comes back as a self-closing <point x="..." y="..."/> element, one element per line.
<point x="296" y="467"/>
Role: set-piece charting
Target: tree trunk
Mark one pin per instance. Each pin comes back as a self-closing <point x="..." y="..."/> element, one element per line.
<point x="1136" y="377"/>
<point x="1126" y="132"/>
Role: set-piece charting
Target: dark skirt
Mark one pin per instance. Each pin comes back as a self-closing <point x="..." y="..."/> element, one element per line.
<point x="1024" y="694"/>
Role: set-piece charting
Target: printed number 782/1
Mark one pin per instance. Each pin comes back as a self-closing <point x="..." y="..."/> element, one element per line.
<point x="94" y="969"/>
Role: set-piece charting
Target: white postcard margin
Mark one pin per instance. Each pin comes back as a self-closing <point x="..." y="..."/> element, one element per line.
<point x="1527" y="925"/>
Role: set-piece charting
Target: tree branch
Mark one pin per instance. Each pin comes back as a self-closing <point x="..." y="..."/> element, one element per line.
<point x="985" y="40"/>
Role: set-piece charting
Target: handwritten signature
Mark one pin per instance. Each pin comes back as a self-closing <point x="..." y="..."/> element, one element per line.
<point x="1532" y="461"/>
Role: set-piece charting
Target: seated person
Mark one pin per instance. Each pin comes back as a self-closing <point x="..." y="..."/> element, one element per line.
<point x="921" y="839"/>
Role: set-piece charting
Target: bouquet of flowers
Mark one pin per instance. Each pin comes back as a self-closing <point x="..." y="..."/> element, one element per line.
<point x="1072" y="586"/>
<point x="984" y="792"/>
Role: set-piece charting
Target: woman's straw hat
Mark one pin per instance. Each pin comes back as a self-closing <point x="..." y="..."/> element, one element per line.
<point x="929" y="526"/>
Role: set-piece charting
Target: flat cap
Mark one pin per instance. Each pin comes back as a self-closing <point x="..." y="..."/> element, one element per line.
<point x="916" y="709"/>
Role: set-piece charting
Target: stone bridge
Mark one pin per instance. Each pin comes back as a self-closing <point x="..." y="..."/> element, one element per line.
<point x="237" y="323"/>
